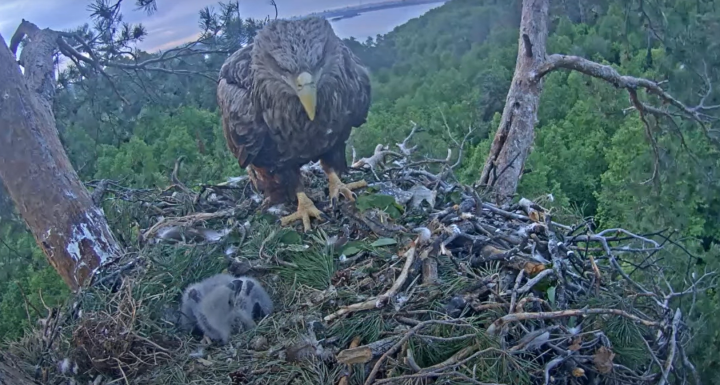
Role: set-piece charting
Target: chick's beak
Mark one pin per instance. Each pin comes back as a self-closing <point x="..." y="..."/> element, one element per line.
<point x="307" y="92"/>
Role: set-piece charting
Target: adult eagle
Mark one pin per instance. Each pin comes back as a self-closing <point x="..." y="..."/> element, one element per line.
<point x="291" y="97"/>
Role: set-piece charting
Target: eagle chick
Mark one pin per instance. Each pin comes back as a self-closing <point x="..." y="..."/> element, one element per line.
<point x="221" y="304"/>
<point x="192" y="296"/>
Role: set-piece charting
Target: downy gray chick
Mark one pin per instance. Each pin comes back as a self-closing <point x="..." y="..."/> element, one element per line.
<point x="219" y="305"/>
<point x="221" y="313"/>
<point x="258" y="301"/>
<point x="193" y="295"/>
<point x="226" y="309"/>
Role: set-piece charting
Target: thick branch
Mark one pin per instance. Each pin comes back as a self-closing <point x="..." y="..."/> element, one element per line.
<point x="28" y="29"/>
<point x="610" y="75"/>
<point x="514" y="137"/>
<point x="630" y="83"/>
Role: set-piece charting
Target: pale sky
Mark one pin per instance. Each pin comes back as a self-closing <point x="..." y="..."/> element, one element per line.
<point x="176" y="21"/>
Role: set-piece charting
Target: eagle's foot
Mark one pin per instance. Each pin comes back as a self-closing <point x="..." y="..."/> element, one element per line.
<point x="337" y="188"/>
<point x="306" y="209"/>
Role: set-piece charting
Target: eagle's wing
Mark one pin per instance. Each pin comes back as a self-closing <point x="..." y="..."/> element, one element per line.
<point x="359" y="87"/>
<point x="243" y="132"/>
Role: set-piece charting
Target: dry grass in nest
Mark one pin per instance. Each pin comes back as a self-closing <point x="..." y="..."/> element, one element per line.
<point x="387" y="291"/>
<point x="110" y="343"/>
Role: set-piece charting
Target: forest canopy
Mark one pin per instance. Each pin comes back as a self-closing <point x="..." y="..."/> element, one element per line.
<point x="447" y="72"/>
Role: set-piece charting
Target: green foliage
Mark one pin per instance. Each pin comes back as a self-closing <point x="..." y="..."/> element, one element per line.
<point x="447" y="70"/>
<point x="25" y="282"/>
<point x="439" y="75"/>
<point x="381" y="202"/>
<point x="313" y="267"/>
<point x="368" y="328"/>
<point x="147" y="159"/>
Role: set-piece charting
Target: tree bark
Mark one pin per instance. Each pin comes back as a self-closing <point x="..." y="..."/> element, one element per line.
<point x="10" y="374"/>
<point x="72" y="232"/>
<point x="514" y="137"/>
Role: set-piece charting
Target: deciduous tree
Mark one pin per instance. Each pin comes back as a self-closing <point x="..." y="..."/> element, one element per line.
<point x="514" y="137"/>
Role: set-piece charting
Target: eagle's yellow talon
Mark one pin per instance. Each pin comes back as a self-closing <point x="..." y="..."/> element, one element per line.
<point x="306" y="209"/>
<point x="337" y="187"/>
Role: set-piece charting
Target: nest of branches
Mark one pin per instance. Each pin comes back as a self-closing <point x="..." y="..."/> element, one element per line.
<point x="108" y="342"/>
<point x="419" y="281"/>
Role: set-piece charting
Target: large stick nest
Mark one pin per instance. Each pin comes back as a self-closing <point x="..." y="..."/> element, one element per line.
<point x="419" y="281"/>
<point x="106" y="341"/>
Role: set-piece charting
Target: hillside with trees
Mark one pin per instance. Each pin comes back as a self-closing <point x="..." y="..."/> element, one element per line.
<point x="595" y="162"/>
<point x="452" y="68"/>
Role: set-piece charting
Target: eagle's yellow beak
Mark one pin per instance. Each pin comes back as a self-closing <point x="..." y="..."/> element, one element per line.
<point x="307" y="92"/>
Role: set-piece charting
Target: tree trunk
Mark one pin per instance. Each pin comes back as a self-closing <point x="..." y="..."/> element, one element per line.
<point x="11" y="375"/>
<point x="514" y="137"/>
<point x="72" y="232"/>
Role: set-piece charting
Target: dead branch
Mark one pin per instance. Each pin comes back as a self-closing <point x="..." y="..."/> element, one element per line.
<point x="631" y="84"/>
<point x="27" y="28"/>
<point x="495" y="326"/>
<point x="376" y="368"/>
<point x="405" y="149"/>
<point x="363" y="354"/>
<point x="353" y="344"/>
<point x="513" y="140"/>
<point x="187" y="220"/>
<point x="381" y="300"/>
<point x="377" y="160"/>
<point x="673" y="347"/>
<point x="460" y="145"/>
<point x="174" y="176"/>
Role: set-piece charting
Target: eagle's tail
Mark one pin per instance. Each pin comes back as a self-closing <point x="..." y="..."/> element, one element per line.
<point x="279" y="185"/>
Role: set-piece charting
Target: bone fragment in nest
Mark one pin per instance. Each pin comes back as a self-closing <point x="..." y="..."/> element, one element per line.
<point x="404" y="147"/>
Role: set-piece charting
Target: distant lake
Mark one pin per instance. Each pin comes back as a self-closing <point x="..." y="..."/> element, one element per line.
<point x="379" y="22"/>
<point x="171" y="31"/>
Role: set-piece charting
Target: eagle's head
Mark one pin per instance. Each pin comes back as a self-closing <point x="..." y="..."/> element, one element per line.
<point x="297" y="58"/>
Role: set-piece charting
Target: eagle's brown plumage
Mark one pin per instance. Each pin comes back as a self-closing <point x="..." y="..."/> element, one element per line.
<point x="269" y="129"/>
